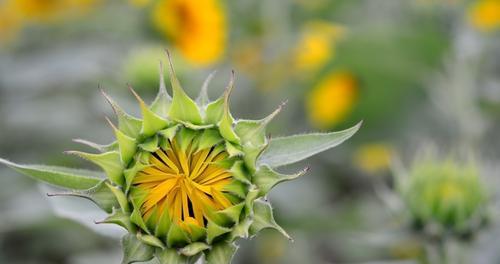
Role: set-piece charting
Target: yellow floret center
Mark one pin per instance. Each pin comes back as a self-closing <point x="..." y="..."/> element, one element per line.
<point x="187" y="183"/>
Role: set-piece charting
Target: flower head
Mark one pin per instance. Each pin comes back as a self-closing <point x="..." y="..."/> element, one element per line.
<point x="445" y="195"/>
<point x="187" y="179"/>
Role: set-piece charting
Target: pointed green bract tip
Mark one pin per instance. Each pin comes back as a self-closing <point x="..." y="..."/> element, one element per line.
<point x="183" y="107"/>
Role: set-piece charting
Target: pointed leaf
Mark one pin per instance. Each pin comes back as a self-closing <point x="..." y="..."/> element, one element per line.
<point x="266" y="178"/>
<point x="241" y="229"/>
<point x="151" y="240"/>
<point x="203" y="99"/>
<point x="151" y="122"/>
<point x="127" y="145"/>
<point x="214" y="230"/>
<point x="110" y="162"/>
<point x="151" y="144"/>
<point x="121" y="219"/>
<point x="101" y="195"/>
<point x="134" y="250"/>
<point x="288" y="150"/>
<point x="193" y="249"/>
<point x="209" y="138"/>
<point x="263" y="218"/>
<point x="226" y="122"/>
<point x="176" y="236"/>
<point x="136" y="218"/>
<point x="58" y="176"/>
<point x="128" y="124"/>
<point x="101" y="148"/>
<point x="253" y="132"/>
<point x="171" y="256"/>
<point x="161" y="104"/>
<point x="221" y="253"/>
<point x="120" y="197"/>
<point x="182" y="108"/>
<point x="214" y="111"/>
<point x="170" y="132"/>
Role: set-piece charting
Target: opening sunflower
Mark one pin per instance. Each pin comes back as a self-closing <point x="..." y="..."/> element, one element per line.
<point x="186" y="181"/>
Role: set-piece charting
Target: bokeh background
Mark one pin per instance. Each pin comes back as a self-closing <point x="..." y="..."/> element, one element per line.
<point x="419" y="73"/>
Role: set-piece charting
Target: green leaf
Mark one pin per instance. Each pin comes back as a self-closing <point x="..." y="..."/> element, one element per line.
<point x="266" y="178"/>
<point x="128" y="124"/>
<point x="100" y="147"/>
<point x="226" y="122"/>
<point x="209" y="138"/>
<point x="151" y="122"/>
<point x="241" y="229"/>
<point x="193" y="249"/>
<point x="162" y="102"/>
<point x="110" y="162"/>
<point x="288" y="150"/>
<point x="182" y="108"/>
<point x="170" y="256"/>
<point x="263" y="218"/>
<point x="150" y="145"/>
<point x="134" y="250"/>
<point x="151" y="240"/>
<point x="120" y="197"/>
<point x="214" y="111"/>
<point x="221" y="253"/>
<point x="203" y="99"/>
<point x="58" y="176"/>
<point x="100" y="194"/>
<point x="176" y="236"/>
<point x="253" y="132"/>
<point x="170" y="132"/>
<point x="214" y="230"/>
<point x="127" y="145"/>
<point x="121" y="219"/>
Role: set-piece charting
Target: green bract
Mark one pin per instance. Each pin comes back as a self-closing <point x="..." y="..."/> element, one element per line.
<point x="187" y="180"/>
<point x="444" y="197"/>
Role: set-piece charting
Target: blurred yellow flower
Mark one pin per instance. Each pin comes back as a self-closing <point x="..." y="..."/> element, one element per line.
<point x="332" y="99"/>
<point x="49" y="10"/>
<point x="316" y="45"/>
<point x="10" y="24"/>
<point x="37" y="10"/>
<point x="373" y="157"/>
<point x="485" y="14"/>
<point x="198" y="28"/>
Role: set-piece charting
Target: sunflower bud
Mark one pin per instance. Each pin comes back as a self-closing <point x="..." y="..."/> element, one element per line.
<point x="445" y="197"/>
<point x="187" y="179"/>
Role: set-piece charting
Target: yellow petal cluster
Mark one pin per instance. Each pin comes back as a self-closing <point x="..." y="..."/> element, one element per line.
<point x="187" y="183"/>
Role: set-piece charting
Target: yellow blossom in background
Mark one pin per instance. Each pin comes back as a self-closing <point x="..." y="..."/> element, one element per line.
<point x="332" y="99"/>
<point x="10" y="24"/>
<point x="197" y="28"/>
<point x="316" y="45"/>
<point x="49" y="10"/>
<point x="485" y="14"/>
<point x="373" y="157"/>
<point x="37" y="10"/>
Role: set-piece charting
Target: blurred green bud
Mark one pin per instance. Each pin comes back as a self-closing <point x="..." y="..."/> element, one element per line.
<point x="445" y="196"/>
